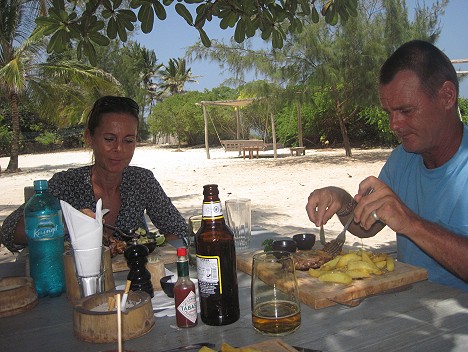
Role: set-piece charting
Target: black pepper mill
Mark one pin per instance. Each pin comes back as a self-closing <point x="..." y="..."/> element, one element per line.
<point x="136" y="256"/>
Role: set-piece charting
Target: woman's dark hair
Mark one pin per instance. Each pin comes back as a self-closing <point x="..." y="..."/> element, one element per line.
<point x="111" y="104"/>
<point x="430" y="64"/>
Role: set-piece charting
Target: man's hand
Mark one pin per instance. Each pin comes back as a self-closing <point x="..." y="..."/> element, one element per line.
<point x="385" y="203"/>
<point x="323" y="203"/>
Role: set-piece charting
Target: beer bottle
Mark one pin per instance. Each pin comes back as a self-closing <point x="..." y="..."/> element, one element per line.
<point x="216" y="264"/>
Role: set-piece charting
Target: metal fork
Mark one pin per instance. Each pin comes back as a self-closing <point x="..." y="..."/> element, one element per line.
<point x="334" y="247"/>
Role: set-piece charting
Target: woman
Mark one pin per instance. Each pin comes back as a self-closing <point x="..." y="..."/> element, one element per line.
<point x="127" y="191"/>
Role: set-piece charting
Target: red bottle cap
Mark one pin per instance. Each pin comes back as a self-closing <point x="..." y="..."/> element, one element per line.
<point x="181" y="252"/>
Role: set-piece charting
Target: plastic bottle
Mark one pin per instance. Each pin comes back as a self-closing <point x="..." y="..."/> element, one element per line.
<point x="44" y="232"/>
<point x="216" y="264"/>
<point x="184" y="293"/>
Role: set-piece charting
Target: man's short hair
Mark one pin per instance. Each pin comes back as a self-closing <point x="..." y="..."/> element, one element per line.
<point x="430" y="64"/>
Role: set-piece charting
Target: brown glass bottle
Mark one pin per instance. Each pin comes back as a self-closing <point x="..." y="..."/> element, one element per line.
<point x="216" y="264"/>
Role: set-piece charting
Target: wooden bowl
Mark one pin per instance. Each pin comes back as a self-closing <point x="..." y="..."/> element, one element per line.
<point x="17" y="295"/>
<point x="92" y="322"/>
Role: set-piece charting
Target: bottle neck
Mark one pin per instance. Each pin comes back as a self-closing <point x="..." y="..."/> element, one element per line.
<point x="212" y="210"/>
<point x="182" y="267"/>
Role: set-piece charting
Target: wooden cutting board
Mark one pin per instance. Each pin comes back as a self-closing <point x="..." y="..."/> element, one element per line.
<point x="275" y="345"/>
<point x="167" y="254"/>
<point x="318" y="294"/>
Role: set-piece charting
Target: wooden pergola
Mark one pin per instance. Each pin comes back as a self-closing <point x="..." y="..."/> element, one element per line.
<point x="237" y="104"/>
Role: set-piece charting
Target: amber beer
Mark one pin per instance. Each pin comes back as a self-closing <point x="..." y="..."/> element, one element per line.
<point x="276" y="318"/>
<point x="216" y="264"/>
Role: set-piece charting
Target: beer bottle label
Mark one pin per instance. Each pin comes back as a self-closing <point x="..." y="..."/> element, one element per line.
<point x="209" y="275"/>
<point x="188" y="307"/>
<point x="212" y="210"/>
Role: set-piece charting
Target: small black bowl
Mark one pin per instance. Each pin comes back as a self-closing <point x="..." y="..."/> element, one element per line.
<point x="304" y="241"/>
<point x="284" y="245"/>
<point x="167" y="285"/>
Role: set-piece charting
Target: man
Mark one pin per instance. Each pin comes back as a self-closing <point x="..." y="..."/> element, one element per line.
<point x="421" y="192"/>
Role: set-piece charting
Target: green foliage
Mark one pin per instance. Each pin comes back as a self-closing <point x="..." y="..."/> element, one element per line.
<point x="463" y="106"/>
<point x="93" y="23"/>
<point x="181" y="115"/>
<point x="47" y="138"/>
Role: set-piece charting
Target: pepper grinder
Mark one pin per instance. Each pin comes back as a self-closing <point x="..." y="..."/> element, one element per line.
<point x="137" y="257"/>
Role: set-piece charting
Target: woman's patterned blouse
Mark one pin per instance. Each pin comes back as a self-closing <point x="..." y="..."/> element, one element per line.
<point x="139" y="192"/>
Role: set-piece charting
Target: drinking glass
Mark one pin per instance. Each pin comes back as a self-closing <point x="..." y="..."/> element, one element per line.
<point x="275" y="302"/>
<point x="194" y="224"/>
<point x="239" y="219"/>
<point x="89" y="266"/>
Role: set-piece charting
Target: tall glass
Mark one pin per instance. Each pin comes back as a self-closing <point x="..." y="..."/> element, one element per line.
<point x="239" y="219"/>
<point x="276" y="308"/>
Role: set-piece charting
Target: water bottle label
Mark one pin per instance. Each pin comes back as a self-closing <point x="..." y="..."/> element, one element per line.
<point x="212" y="210"/>
<point x="44" y="226"/>
<point x="209" y="274"/>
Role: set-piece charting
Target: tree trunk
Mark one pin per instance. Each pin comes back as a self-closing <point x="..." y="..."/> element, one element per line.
<point x="15" y="122"/>
<point x="344" y="133"/>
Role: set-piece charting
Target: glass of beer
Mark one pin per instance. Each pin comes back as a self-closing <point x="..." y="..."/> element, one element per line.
<point x="276" y="309"/>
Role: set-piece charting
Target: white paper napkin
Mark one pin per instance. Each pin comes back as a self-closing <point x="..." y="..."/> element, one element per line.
<point x="85" y="234"/>
<point x="85" y="231"/>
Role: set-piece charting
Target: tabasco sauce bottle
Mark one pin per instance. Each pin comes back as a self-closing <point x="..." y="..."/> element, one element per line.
<point x="216" y="264"/>
<point x="184" y="293"/>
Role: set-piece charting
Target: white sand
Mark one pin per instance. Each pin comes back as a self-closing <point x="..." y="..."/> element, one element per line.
<point x="278" y="187"/>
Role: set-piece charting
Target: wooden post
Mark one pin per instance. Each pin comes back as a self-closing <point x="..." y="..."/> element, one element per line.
<point x="207" y="147"/>
<point x="273" y="133"/>
<point x="299" y="124"/>
<point x="238" y="125"/>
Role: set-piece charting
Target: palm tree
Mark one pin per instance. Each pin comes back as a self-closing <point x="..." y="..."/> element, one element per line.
<point x="175" y="75"/>
<point x="24" y="74"/>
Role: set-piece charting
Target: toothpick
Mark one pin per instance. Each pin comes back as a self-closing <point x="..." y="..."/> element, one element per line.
<point x="119" y="325"/>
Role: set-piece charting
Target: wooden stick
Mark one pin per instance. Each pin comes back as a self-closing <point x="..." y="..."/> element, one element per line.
<point x="119" y="324"/>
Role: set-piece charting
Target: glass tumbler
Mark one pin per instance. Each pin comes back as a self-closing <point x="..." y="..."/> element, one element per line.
<point x="276" y="309"/>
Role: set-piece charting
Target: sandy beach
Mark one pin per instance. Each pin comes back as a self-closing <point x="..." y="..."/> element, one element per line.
<point x="277" y="187"/>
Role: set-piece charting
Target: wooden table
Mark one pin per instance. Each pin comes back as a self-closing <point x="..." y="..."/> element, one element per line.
<point x="427" y="317"/>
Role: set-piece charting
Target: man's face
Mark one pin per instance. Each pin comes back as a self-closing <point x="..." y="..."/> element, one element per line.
<point x="415" y="118"/>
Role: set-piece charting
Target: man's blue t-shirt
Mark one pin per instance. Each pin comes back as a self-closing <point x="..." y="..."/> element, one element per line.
<point x="438" y="195"/>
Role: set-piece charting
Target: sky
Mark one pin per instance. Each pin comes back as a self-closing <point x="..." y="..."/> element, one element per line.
<point x="171" y="37"/>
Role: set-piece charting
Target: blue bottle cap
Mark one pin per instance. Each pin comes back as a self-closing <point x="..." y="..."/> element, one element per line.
<point x="40" y="185"/>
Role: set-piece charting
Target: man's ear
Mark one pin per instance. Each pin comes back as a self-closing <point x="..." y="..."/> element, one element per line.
<point x="448" y="94"/>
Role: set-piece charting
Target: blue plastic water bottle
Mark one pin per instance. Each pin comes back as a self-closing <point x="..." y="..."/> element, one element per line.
<point x="45" y="234"/>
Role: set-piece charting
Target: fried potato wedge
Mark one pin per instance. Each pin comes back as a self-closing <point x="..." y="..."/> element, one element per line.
<point x="343" y="261"/>
<point x="336" y="276"/>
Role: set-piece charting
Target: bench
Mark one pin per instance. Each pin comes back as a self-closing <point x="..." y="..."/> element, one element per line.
<point x="236" y="145"/>
<point x="244" y="145"/>
<point x="297" y="150"/>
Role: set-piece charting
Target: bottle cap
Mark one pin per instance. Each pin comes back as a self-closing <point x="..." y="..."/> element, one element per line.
<point x="40" y="185"/>
<point x="181" y="252"/>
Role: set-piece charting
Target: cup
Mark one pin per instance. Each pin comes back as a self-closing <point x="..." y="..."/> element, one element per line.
<point x="157" y="271"/>
<point x="89" y="267"/>
<point x="239" y="219"/>
<point x="276" y="309"/>
<point x="194" y="223"/>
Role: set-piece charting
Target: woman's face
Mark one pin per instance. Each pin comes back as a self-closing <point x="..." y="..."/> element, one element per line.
<point x="114" y="141"/>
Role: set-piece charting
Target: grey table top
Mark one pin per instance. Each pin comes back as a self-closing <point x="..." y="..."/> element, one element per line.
<point x="427" y="317"/>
